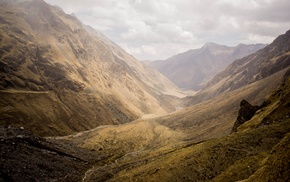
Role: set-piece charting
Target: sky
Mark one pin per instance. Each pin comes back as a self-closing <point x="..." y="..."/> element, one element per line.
<point x="159" y="29"/>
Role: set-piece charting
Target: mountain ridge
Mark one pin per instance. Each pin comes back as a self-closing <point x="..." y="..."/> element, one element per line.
<point x="193" y="68"/>
<point x="249" y="69"/>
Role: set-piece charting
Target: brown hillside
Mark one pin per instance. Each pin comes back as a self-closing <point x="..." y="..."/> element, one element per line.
<point x="57" y="78"/>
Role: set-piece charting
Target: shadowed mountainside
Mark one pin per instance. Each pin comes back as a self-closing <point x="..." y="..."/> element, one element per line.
<point x="57" y="78"/>
<point x="194" y="68"/>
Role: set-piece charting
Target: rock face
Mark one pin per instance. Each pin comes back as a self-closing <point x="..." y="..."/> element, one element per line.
<point x="192" y="69"/>
<point x="57" y="77"/>
<point x="246" y="112"/>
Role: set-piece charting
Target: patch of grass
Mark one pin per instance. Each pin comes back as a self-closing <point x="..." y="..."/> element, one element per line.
<point x="277" y="165"/>
<point x="231" y="158"/>
<point x="241" y="168"/>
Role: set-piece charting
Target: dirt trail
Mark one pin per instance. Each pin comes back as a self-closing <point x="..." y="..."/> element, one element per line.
<point x="24" y="91"/>
<point x="143" y="118"/>
<point x="88" y="174"/>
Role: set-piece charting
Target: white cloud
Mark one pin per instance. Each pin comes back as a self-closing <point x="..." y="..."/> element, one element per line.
<point x="258" y="38"/>
<point x="174" y="33"/>
<point x="150" y="29"/>
<point x="132" y="50"/>
<point x="149" y="50"/>
<point x="139" y="31"/>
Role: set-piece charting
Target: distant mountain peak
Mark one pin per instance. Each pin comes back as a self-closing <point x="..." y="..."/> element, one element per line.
<point x="193" y="68"/>
<point x="211" y="44"/>
<point x="270" y="60"/>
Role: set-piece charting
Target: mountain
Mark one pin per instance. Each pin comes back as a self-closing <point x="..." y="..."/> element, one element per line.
<point x="76" y="107"/>
<point x="58" y="76"/>
<point x="267" y="61"/>
<point x="212" y="111"/>
<point x="192" y="69"/>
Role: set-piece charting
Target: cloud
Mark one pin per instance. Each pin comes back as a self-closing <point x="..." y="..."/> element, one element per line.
<point x="174" y="33"/>
<point x="150" y="29"/>
<point x="140" y="31"/>
<point x="140" y="51"/>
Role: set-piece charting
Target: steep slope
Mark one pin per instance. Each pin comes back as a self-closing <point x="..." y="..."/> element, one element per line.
<point x="152" y="78"/>
<point x="267" y="61"/>
<point x="274" y="110"/>
<point x="58" y="78"/>
<point x="192" y="69"/>
<point x="215" y="117"/>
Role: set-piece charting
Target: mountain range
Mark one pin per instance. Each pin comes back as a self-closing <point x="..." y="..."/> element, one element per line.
<point x="268" y="61"/>
<point x="194" y="68"/>
<point x="74" y="106"/>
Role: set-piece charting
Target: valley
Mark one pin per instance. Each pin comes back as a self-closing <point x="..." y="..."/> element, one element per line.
<point x="74" y="106"/>
<point x="145" y="148"/>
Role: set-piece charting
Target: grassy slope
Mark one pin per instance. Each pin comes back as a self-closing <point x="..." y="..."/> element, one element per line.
<point x="215" y="118"/>
<point x="259" y="153"/>
<point x="226" y="159"/>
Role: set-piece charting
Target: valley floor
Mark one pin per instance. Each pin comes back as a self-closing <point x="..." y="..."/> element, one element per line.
<point x="235" y="157"/>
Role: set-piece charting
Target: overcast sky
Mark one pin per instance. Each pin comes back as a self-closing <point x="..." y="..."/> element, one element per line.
<point x="158" y="29"/>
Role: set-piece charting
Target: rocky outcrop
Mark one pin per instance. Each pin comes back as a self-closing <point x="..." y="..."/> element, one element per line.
<point x="246" y="112"/>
